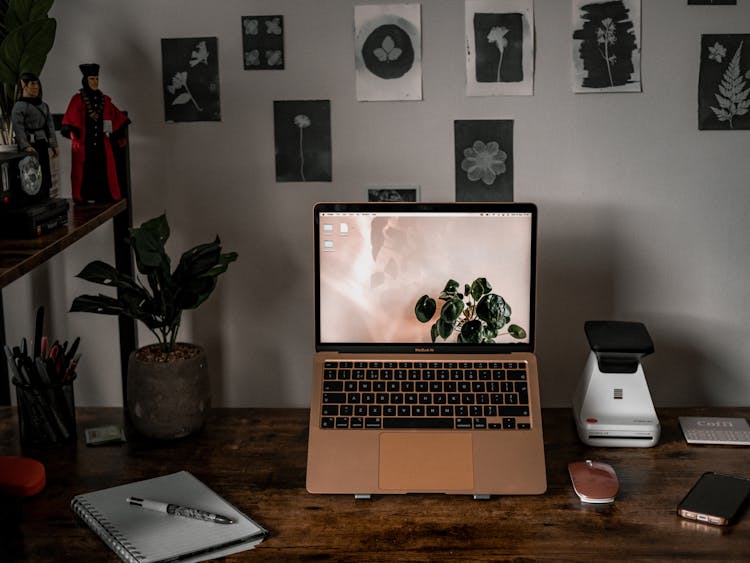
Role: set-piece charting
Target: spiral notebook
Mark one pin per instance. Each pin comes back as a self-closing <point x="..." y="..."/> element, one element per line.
<point x="143" y="536"/>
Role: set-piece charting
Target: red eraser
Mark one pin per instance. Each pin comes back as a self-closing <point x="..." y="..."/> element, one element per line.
<point x="21" y="476"/>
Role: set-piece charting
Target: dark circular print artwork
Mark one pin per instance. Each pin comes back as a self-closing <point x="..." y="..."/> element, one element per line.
<point x="388" y="52"/>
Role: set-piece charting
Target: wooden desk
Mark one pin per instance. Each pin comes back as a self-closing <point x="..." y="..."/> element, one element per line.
<point x="256" y="459"/>
<point x="20" y="256"/>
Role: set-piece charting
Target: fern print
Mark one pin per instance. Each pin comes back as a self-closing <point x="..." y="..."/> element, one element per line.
<point x="733" y="96"/>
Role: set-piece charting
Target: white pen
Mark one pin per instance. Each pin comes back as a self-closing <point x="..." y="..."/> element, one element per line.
<point x="177" y="510"/>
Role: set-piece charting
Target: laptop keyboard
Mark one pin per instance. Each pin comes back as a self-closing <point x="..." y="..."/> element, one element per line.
<point x="434" y="395"/>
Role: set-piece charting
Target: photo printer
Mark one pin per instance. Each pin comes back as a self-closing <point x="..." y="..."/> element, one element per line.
<point x="612" y="405"/>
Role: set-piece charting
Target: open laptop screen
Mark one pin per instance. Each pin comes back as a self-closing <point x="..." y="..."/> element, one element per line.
<point x="416" y="276"/>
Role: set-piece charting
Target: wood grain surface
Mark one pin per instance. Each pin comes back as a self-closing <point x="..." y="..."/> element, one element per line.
<point x="256" y="459"/>
<point x="20" y="256"/>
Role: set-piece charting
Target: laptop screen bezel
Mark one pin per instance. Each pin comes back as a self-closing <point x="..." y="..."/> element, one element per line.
<point x="426" y="347"/>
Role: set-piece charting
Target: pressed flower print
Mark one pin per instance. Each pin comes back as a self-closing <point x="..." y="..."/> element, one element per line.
<point x="499" y="47"/>
<point x="724" y="82"/>
<point x="484" y="160"/>
<point x="190" y="76"/>
<point x="263" y="42"/>
<point x="606" y="45"/>
<point x="302" y="136"/>
<point x="388" y="52"/>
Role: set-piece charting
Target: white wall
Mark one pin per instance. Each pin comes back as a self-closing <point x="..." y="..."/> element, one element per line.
<point x="641" y="215"/>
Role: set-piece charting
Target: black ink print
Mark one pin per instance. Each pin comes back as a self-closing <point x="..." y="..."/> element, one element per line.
<point x="391" y="194"/>
<point x="484" y="160"/>
<point x="190" y="74"/>
<point x="388" y="52"/>
<point x="263" y="42"/>
<point x="499" y="47"/>
<point x="302" y="132"/>
<point x="607" y="44"/>
<point x="724" y="82"/>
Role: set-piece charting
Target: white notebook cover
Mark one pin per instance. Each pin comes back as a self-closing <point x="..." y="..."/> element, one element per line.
<point x="140" y="535"/>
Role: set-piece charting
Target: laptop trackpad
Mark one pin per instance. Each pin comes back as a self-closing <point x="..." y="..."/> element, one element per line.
<point x="426" y="461"/>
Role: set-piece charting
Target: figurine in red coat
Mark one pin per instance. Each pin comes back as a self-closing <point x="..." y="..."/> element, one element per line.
<point x="97" y="129"/>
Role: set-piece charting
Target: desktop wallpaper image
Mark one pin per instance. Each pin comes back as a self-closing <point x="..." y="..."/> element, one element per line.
<point x="375" y="269"/>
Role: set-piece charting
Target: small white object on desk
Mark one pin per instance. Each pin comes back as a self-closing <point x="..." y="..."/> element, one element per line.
<point x="721" y="430"/>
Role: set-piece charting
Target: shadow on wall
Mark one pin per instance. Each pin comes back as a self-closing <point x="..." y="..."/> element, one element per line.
<point x="581" y="265"/>
<point x="682" y="372"/>
<point x="268" y="322"/>
<point x="208" y="333"/>
<point x="576" y="282"/>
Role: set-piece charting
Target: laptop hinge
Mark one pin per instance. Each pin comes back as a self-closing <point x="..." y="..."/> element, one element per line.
<point x="482" y="497"/>
<point x="362" y="496"/>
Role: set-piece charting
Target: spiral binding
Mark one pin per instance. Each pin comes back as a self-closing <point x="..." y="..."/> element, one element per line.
<point x="109" y="535"/>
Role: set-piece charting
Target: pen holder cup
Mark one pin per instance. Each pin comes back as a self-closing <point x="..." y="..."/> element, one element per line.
<point x="46" y="413"/>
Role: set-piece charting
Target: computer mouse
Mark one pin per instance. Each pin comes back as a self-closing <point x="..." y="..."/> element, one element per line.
<point x="594" y="481"/>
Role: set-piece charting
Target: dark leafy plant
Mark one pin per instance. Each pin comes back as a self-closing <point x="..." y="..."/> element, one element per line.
<point x="27" y="34"/>
<point x="159" y="302"/>
<point x="476" y="314"/>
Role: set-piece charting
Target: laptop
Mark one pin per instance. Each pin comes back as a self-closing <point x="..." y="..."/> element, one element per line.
<point x="424" y="374"/>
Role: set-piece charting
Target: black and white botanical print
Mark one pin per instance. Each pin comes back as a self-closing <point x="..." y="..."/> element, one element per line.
<point x="607" y="45"/>
<point x="388" y="52"/>
<point x="724" y="82"/>
<point x="263" y="42"/>
<point x="394" y="192"/>
<point x="302" y="133"/>
<point x="499" y="47"/>
<point x="484" y="159"/>
<point x="190" y="75"/>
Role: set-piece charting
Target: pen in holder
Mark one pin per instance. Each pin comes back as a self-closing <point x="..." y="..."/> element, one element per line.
<point x="46" y="412"/>
<point x="43" y="375"/>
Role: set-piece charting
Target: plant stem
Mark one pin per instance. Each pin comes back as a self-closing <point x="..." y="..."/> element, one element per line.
<point x="500" y="64"/>
<point x="606" y="58"/>
<point x="191" y="97"/>
<point x="301" y="157"/>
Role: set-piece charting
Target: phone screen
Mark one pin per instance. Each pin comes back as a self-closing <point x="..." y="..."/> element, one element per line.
<point x="715" y="499"/>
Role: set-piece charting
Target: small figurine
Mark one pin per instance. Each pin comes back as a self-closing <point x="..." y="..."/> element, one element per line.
<point x="97" y="129"/>
<point x="33" y="126"/>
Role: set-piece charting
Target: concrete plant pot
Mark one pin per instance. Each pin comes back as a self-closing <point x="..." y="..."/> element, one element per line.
<point x="168" y="397"/>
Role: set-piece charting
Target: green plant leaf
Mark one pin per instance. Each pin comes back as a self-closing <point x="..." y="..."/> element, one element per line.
<point x="451" y="310"/>
<point x="471" y="332"/>
<point x="516" y="332"/>
<point x="479" y="287"/>
<point x="434" y="331"/>
<point x="195" y="275"/>
<point x="451" y="286"/>
<point x="198" y="261"/>
<point x="425" y="309"/>
<point x="104" y="274"/>
<point x="444" y="328"/>
<point x="490" y="331"/>
<point x="493" y="310"/>
<point x="101" y="304"/>
<point x="25" y="49"/>
<point x="161" y="308"/>
<point x="450" y="291"/>
<point x="148" y="242"/>
<point x="23" y="11"/>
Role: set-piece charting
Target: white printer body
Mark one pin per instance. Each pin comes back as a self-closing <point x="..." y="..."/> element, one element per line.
<point x="612" y="404"/>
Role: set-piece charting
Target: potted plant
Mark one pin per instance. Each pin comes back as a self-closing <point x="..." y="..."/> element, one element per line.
<point x="27" y="34"/>
<point x="168" y="392"/>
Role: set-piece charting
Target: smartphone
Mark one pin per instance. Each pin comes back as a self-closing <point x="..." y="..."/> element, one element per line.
<point x="715" y="499"/>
